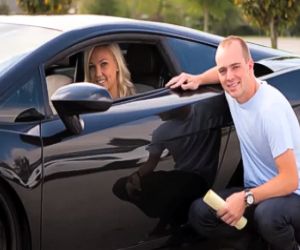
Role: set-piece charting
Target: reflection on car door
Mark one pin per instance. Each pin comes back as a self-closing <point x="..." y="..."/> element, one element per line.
<point x="80" y="210"/>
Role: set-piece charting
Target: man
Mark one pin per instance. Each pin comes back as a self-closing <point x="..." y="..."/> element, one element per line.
<point x="269" y="136"/>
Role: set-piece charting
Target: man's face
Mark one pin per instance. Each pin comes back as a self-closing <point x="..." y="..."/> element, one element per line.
<point x="234" y="71"/>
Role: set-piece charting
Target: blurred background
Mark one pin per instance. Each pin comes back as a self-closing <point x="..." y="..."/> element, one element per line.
<point x="274" y="23"/>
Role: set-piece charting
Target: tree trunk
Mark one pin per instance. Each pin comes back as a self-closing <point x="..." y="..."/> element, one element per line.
<point x="133" y="9"/>
<point x="159" y="11"/>
<point x="205" y="18"/>
<point x="273" y="34"/>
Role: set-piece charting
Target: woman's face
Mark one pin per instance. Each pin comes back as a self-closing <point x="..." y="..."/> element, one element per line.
<point x="103" y="69"/>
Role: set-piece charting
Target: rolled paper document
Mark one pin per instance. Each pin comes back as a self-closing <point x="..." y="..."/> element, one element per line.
<point x="216" y="202"/>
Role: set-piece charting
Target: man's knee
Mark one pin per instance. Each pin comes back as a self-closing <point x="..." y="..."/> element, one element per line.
<point x="267" y="219"/>
<point x="263" y="216"/>
<point x="199" y="215"/>
<point x="273" y="225"/>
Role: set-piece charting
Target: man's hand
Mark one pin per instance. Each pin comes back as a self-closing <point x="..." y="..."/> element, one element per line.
<point x="234" y="209"/>
<point x="135" y="180"/>
<point x="185" y="81"/>
<point x="133" y="185"/>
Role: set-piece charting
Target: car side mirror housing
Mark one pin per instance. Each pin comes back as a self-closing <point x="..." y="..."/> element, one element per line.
<point x="75" y="99"/>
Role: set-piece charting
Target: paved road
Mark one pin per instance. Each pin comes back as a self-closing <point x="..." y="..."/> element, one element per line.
<point x="291" y="44"/>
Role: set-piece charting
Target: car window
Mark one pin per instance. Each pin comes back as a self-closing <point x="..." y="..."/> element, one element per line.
<point x="144" y="61"/>
<point x="194" y="57"/>
<point x="28" y="96"/>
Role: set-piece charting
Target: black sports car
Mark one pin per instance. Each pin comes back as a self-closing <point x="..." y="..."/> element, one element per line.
<point x="66" y="151"/>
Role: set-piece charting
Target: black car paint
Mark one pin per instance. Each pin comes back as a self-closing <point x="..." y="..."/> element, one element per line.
<point x="112" y="153"/>
<point x="62" y="181"/>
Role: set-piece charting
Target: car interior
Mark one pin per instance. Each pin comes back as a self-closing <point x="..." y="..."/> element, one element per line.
<point x="148" y="70"/>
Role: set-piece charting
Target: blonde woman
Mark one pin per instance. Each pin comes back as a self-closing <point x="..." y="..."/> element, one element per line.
<point x="106" y="67"/>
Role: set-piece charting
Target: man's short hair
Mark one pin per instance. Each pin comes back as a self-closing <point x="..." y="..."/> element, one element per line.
<point x="228" y="40"/>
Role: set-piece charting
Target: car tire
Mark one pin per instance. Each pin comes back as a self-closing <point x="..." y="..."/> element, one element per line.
<point x="10" y="230"/>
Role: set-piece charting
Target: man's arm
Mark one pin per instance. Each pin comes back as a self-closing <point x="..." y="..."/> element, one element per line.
<point x="283" y="184"/>
<point x="134" y="180"/>
<point x="150" y="164"/>
<point x="188" y="81"/>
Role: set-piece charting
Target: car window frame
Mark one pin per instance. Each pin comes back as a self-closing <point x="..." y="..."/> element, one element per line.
<point x="157" y="40"/>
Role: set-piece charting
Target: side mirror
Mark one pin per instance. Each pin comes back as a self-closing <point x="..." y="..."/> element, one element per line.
<point x="79" y="98"/>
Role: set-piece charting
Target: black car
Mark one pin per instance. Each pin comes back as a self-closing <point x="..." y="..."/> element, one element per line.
<point x="64" y="150"/>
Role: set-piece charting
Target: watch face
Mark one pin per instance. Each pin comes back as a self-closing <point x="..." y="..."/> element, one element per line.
<point x="250" y="199"/>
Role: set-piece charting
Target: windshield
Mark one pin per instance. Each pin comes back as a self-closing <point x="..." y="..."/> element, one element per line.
<point x="17" y="40"/>
<point x="6" y="64"/>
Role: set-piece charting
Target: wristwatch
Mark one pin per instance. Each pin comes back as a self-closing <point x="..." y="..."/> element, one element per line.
<point x="249" y="198"/>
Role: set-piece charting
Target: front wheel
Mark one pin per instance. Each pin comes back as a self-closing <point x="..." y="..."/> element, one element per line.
<point x="10" y="232"/>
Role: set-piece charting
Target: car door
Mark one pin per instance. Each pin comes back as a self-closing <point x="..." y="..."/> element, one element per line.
<point x="21" y="111"/>
<point x="80" y="208"/>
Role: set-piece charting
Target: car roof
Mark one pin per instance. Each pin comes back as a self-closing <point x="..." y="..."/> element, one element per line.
<point x="73" y="22"/>
<point x="81" y="26"/>
<point x="77" y="21"/>
<point x="62" y="22"/>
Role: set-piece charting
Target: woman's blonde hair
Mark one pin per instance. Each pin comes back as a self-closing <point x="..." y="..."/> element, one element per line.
<point x="126" y="87"/>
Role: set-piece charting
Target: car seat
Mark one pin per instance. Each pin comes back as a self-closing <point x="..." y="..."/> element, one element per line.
<point x="145" y="66"/>
<point x="54" y="82"/>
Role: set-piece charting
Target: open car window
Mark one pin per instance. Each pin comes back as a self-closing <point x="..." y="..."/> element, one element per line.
<point x="144" y="61"/>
